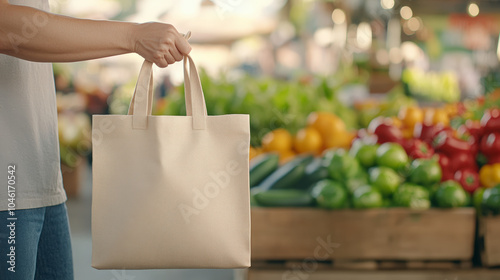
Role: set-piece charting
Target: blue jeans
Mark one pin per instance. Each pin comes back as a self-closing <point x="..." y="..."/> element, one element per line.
<point x="42" y="244"/>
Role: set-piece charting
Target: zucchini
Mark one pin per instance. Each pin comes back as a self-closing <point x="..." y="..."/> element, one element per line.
<point x="262" y="166"/>
<point x="315" y="171"/>
<point x="287" y="176"/>
<point x="284" y="198"/>
<point x="253" y="192"/>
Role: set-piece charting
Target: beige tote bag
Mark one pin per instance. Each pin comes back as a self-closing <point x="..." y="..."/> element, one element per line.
<point x="170" y="191"/>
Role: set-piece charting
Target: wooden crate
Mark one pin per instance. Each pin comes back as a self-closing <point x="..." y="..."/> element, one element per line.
<point x="375" y="234"/>
<point x="489" y="240"/>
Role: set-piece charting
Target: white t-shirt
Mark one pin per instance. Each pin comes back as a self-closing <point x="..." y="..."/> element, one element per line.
<point x="28" y="130"/>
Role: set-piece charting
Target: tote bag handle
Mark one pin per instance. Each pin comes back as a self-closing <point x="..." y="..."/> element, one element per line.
<point x="141" y="104"/>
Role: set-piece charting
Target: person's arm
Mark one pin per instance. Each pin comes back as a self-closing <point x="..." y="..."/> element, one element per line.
<point x="39" y="36"/>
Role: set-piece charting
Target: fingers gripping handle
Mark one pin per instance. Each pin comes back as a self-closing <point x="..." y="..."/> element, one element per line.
<point x="141" y="103"/>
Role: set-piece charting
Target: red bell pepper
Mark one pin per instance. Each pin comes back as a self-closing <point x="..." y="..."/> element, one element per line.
<point x="473" y="142"/>
<point x="447" y="175"/>
<point x="376" y="122"/>
<point x="490" y="144"/>
<point x="469" y="179"/>
<point x="444" y="162"/>
<point x="462" y="160"/>
<point x="385" y="131"/>
<point x="491" y="120"/>
<point x="427" y="132"/>
<point x="472" y="128"/>
<point x="416" y="148"/>
<point x="446" y="143"/>
<point x="493" y="159"/>
<point x="474" y="145"/>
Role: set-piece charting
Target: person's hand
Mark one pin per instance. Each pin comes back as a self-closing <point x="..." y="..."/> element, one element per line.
<point x="159" y="43"/>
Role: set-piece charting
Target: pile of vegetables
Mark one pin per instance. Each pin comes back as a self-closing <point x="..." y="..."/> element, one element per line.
<point x="366" y="176"/>
<point x="422" y="158"/>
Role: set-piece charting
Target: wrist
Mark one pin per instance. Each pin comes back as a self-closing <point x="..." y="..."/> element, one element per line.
<point x="132" y="37"/>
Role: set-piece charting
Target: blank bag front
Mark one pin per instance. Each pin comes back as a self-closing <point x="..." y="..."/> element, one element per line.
<point x="170" y="191"/>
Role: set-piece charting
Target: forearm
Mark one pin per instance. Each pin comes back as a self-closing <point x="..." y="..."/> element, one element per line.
<point x="36" y="35"/>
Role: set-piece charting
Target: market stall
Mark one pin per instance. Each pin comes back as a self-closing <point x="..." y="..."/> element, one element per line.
<point x="375" y="129"/>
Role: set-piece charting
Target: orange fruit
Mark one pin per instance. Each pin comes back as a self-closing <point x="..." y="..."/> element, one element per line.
<point x="326" y="124"/>
<point x="308" y="140"/>
<point x="486" y="176"/>
<point x="495" y="175"/>
<point x="410" y="116"/>
<point x="340" y="140"/>
<point x="278" y="140"/>
<point x="440" y="116"/>
<point x="286" y="156"/>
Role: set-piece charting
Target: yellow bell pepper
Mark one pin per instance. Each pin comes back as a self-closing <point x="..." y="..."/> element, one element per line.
<point x="489" y="175"/>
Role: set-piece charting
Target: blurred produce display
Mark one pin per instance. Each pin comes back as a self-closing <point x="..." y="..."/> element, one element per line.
<point x="423" y="157"/>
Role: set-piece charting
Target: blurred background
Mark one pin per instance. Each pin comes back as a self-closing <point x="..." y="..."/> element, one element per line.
<point x="290" y="65"/>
